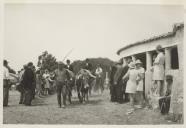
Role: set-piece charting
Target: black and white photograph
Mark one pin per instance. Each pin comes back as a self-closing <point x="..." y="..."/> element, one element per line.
<point x="93" y="64"/>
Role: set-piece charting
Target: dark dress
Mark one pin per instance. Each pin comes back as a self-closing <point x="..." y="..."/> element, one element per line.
<point x="112" y="87"/>
<point x="28" y="84"/>
<point x="121" y="86"/>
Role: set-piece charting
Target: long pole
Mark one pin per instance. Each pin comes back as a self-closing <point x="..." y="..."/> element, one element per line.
<point x="67" y="54"/>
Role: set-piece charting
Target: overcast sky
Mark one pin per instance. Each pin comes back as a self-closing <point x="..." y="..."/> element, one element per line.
<point x="90" y="30"/>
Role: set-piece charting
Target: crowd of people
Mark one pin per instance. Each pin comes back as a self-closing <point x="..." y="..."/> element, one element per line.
<point x="40" y="83"/>
<point x="127" y="82"/>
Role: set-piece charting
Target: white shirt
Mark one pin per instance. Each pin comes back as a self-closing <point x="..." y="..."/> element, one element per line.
<point x="99" y="71"/>
<point x="5" y="73"/>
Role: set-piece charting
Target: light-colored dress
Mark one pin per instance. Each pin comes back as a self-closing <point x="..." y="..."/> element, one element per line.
<point x="131" y="83"/>
<point x="46" y="77"/>
<point x="159" y="71"/>
<point x="140" y="83"/>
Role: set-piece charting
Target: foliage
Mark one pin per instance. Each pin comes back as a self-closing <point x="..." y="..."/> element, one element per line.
<point x="105" y="64"/>
<point x="47" y="61"/>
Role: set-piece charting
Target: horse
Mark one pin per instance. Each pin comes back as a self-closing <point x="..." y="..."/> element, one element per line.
<point x="83" y="86"/>
<point x="70" y="82"/>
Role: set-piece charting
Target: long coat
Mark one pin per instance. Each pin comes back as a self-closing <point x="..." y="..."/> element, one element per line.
<point x="28" y="79"/>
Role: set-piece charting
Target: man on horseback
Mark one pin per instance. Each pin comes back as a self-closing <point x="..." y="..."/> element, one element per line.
<point x="82" y="79"/>
<point x="88" y="66"/>
<point x="70" y="80"/>
<point x="69" y="66"/>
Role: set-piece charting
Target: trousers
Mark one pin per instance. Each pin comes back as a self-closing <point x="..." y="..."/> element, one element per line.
<point x="61" y="90"/>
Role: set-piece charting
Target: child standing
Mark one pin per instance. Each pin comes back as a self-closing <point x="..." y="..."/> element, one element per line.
<point x="47" y="79"/>
<point x="131" y="84"/>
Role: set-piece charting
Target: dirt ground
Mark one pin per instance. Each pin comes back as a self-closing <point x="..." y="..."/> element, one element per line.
<point x="99" y="110"/>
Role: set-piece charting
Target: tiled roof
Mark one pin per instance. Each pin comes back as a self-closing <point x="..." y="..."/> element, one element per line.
<point x="169" y="34"/>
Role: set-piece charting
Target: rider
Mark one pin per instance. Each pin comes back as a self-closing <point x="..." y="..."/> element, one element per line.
<point x="69" y="66"/>
<point x="88" y="66"/>
<point x="71" y="81"/>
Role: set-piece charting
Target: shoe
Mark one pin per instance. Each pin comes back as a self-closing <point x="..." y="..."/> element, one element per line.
<point x="138" y="106"/>
<point x="63" y="106"/>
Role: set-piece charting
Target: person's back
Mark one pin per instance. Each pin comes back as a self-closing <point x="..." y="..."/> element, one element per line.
<point x="28" y="78"/>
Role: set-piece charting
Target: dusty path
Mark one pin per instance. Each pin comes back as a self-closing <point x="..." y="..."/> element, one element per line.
<point x="99" y="110"/>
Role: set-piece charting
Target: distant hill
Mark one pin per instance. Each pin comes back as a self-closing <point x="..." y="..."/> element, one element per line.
<point x="104" y="62"/>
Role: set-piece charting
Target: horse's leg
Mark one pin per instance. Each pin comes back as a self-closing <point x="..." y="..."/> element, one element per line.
<point x="87" y="95"/>
<point x="89" y="90"/>
<point x="83" y="95"/>
<point x="69" y="96"/>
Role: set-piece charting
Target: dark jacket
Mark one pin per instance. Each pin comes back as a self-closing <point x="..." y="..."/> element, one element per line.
<point x="124" y="71"/>
<point x="69" y="67"/>
<point x="88" y="66"/>
<point x="28" y="79"/>
<point x="112" y="73"/>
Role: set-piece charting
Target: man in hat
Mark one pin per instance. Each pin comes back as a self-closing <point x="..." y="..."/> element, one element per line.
<point x="69" y="66"/>
<point x="61" y="77"/>
<point x="6" y="83"/>
<point x="88" y="65"/>
<point x="28" y="84"/>
<point x="122" y="69"/>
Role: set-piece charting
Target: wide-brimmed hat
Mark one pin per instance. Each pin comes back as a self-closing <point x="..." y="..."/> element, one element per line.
<point x="138" y="62"/>
<point x="131" y="65"/>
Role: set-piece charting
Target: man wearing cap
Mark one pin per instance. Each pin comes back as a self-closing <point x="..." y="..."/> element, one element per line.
<point x="6" y="81"/>
<point x="61" y="77"/>
<point x="88" y="66"/>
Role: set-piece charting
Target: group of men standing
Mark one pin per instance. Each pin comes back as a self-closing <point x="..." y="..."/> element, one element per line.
<point x="118" y="86"/>
<point x="26" y="84"/>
